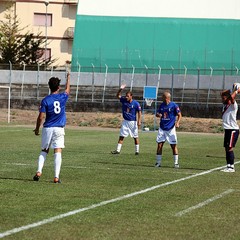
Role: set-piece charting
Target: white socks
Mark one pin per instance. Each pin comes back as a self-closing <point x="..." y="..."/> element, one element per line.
<point x="175" y="159"/>
<point x="137" y="148"/>
<point x="41" y="160"/>
<point x="57" y="163"/>
<point x="159" y="159"/>
<point x="119" y="147"/>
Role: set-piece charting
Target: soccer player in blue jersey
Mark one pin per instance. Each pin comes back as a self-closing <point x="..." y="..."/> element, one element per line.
<point x="131" y="111"/>
<point x="170" y="116"/>
<point x="52" y="108"/>
<point x="230" y="125"/>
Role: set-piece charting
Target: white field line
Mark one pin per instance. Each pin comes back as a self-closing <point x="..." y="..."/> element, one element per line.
<point x="188" y="210"/>
<point x="14" y="130"/>
<point x="103" y="203"/>
<point x="124" y="169"/>
<point x="18" y="164"/>
<point x="104" y="169"/>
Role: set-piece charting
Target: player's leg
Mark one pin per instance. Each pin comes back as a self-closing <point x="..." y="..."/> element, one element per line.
<point x="175" y="155"/>
<point x="119" y="145"/>
<point x="171" y="136"/>
<point x="123" y="133"/>
<point x="161" y="138"/>
<point x="57" y="164"/>
<point x="58" y="145"/>
<point x="159" y="154"/>
<point x="230" y="140"/>
<point x="136" y="142"/>
<point x="46" y="141"/>
<point x="133" y="131"/>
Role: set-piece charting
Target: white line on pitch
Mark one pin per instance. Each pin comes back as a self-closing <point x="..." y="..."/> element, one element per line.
<point x="103" y="203"/>
<point x="188" y="210"/>
<point x="18" y="164"/>
<point x="14" y="130"/>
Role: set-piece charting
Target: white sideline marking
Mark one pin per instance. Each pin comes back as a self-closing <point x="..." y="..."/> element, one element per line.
<point x="18" y="164"/>
<point x="64" y="215"/>
<point x="14" y="130"/>
<point x="179" y="214"/>
<point x="83" y="167"/>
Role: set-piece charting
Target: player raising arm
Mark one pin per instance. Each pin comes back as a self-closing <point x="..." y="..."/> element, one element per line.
<point x="131" y="111"/>
<point x="230" y="125"/>
<point x="52" y="108"/>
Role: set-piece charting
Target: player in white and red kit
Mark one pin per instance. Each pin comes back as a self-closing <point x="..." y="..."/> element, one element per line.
<point x="131" y="111"/>
<point x="170" y="116"/>
<point x="53" y="109"/>
<point x="230" y="125"/>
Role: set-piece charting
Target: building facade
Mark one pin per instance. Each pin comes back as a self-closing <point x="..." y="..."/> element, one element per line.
<point x="54" y="19"/>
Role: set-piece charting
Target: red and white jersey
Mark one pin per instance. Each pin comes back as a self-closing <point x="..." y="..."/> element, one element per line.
<point x="229" y="116"/>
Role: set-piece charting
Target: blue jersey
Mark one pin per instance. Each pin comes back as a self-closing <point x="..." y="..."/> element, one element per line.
<point x="54" y="107"/>
<point x="169" y="113"/>
<point x="130" y="109"/>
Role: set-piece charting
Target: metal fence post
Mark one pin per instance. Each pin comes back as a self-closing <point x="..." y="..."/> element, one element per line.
<point x="146" y="74"/>
<point x="184" y="82"/>
<point x="224" y="77"/>
<point x="159" y="77"/>
<point x="198" y="84"/>
<point x="38" y="72"/>
<point x="92" y="82"/>
<point x="172" y="81"/>
<point x="10" y="74"/>
<point x="23" y="77"/>
<point x="120" y="75"/>
<point x="78" y="79"/>
<point x="133" y="71"/>
<point x="105" y="81"/>
<point x="209" y="87"/>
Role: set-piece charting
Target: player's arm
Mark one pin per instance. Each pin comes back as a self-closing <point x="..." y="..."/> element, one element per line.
<point x="39" y="123"/>
<point x="179" y="117"/>
<point x="67" y="88"/>
<point x="139" y="118"/>
<point x="234" y="94"/>
<point x="118" y="95"/>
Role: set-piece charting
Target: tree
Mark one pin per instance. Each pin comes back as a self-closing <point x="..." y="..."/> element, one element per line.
<point x="20" y="48"/>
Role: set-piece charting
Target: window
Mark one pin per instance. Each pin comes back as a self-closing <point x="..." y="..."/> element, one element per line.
<point x="42" y="19"/>
<point x="42" y="56"/>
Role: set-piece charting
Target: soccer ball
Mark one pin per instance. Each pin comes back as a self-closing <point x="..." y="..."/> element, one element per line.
<point x="235" y="87"/>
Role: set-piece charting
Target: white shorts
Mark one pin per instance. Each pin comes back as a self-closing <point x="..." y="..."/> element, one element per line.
<point x="53" y="137"/>
<point x="170" y="136"/>
<point x="129" y="127"/>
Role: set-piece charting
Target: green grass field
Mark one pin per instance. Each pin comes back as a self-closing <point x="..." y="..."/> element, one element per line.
<point x="104" y="196"/>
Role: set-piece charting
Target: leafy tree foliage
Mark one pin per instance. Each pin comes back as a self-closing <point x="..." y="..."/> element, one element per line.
<point x="19" y="48"/>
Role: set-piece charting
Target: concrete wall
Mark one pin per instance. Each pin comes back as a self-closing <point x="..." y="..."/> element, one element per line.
<point x="180" y="81"/>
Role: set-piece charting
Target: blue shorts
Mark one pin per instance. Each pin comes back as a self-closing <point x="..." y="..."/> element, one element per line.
<point x="230" y="137"/>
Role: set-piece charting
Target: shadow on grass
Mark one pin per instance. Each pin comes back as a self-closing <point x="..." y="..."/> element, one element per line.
<point x="150" y="166"/>
<point x="22" y="179"/>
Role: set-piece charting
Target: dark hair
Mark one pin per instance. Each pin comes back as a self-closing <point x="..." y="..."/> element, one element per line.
<point x="54" y="83"/>
<point x="226" y="93"/>
<point x="129" y="92"/>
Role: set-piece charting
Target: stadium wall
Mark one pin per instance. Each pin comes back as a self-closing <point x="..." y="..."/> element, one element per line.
<point x="170" y="33"/>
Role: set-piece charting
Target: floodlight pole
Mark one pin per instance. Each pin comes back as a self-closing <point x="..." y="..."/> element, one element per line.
<point x="46" y="2"/>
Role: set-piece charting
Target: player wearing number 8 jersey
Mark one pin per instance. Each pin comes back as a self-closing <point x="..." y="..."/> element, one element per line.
<point x="53" y="108"/>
